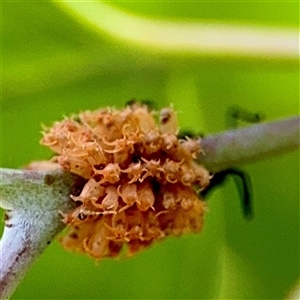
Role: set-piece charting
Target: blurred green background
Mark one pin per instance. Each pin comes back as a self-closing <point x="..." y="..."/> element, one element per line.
<point x="53" y="65"/>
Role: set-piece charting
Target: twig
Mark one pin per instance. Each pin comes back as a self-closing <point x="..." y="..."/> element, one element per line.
<point x="33" y="199"/>
<point x="235" y="147"/>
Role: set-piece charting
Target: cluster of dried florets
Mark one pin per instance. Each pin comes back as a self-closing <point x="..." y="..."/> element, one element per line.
<point x="140" y="180"/>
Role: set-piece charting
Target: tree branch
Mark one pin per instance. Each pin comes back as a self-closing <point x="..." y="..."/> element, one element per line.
<point x="33" y="199"/>
<point x="235" y="147"/>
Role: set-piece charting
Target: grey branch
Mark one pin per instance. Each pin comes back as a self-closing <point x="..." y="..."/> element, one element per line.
<point x="32" y="199"/>
<point x="236" y="147"/>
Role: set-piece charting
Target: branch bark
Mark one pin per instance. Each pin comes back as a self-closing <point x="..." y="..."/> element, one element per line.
<point x="33" y="199"/>
<point x="235" y="147"/>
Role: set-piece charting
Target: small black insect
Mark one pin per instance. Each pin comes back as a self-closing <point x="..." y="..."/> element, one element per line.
<point x="243" y="183"/>
<point x="236" y="114"/>
<point x="242" y="180"/>
<point x="150" y="104"/>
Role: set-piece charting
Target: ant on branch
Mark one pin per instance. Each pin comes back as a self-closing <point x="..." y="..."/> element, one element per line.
<point x="235" y="115"/>
<point x="242" y="180"/>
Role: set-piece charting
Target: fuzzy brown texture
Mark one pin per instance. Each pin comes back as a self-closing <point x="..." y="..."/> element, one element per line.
<point x="140" y="181"/>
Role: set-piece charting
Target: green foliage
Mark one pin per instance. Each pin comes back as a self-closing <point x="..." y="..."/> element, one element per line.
<point x="53" y="66"/>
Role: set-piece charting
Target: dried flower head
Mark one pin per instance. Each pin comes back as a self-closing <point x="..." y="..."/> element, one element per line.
<point x="140" y="179"/>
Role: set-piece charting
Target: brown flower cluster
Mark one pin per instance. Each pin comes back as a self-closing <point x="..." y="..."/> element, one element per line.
<point x="139" y="179"/>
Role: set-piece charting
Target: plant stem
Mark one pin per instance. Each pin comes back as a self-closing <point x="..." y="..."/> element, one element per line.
<point x="235" y="147"/>
<point x="33" y="199"/>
